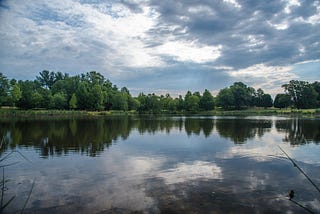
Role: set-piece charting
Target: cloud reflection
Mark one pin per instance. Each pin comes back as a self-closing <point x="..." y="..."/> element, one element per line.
<point x="187" y="172"/>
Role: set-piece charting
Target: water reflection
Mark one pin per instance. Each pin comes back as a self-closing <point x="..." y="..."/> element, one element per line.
<point x="299" y="131"/>
<point x="163" y="165"/>
<point x="239" y="130"/>
<point x="92" y="136"/>
<point x="185" y="172"/>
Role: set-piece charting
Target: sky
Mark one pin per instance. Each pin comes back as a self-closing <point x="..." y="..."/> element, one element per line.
<point x="166" y="46"/>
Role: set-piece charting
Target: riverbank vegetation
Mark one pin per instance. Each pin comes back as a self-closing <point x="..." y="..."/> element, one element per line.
<point x="90" y="92"/>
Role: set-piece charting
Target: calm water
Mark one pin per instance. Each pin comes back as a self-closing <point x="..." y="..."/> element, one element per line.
<point x="162" y="165"/>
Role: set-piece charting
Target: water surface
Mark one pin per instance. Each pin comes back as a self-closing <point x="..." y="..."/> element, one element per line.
<point x="162" y="164"/>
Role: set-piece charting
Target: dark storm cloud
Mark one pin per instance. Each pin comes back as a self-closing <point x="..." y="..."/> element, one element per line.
<point x="231" y="24"/>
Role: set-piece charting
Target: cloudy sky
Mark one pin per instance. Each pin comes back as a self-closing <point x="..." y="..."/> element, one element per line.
<point x="164" y="46"/>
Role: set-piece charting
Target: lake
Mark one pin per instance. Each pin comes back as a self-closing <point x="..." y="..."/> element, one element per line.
<point x="161" y="164"/>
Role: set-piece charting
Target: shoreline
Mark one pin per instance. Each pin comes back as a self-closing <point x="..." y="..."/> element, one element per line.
<point x="43" y="113"/>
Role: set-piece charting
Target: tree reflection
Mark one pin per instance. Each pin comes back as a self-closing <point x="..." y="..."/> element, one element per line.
<point x="299" y="131"/>
<point x="59" y="137"/>
<point x="92" y="136"/>
<point x="196" y="125"/>
<point x="240" y="130"/>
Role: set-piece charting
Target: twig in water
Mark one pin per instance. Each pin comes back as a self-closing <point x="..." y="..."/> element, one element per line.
<point x="2" y="187"/>
<point x="296" y="165"/>
<point x="300" y="205"/>
<point x="25" y="204"/>
<point x="2" y="206"/>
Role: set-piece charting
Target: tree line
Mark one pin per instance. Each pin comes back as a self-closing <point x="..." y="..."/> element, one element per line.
<point x="92" y="91"/>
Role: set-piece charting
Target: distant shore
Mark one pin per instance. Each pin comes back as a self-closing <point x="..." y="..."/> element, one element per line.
<point x="40" y="113"/>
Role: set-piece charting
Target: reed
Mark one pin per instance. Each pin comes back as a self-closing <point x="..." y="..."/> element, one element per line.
<point x="3" y="204"/>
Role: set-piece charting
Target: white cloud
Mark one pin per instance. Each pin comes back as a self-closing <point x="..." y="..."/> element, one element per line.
<point x="190" y="51"/>
<point x="309" y="61"/>
<point x="290" y="4"/>
<point x="269" y="78"/>
<point x="201" y="10"/>
<point x="107" y="35"/>
<point x="233" y="3"/>
<point x="279" y="26"/>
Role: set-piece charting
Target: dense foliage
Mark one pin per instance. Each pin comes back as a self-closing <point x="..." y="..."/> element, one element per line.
<point x="91" y="91"/>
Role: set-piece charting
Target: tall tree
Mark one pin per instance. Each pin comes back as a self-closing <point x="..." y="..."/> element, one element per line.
<point x="73" y="103"/>
<point x="206" y="101"/>
<point x="60" y="101"/>
<point x="267" y="101"/>
<point x="225" y="98"/>
<point x="302" y="93"/>
<point x="82" y="95"/>
<point x="15" y="94"/>
<point x="120" y="101"/>
<point x="191" y="102"/>
<point x="282" y="101"/>
<point x="262" y="99"/>
<point x="316" y="86"/>
<point x="4" y="88"/>
<point x="242" y="95"/>
<point x="94" y="78"/>
<point x="46" y="78"/>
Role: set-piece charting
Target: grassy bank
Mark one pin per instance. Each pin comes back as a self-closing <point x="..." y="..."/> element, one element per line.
<point x="268" y="111"/>
<point x="41" y="113"/>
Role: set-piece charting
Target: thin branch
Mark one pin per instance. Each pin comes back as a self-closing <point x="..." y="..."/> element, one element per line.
<point x="300" y="205"/>
<point x="296" y="165"/>
<point x="2" y="188"/>
<point x="9" y="164"/>
<point x="25" y="204"/>
<point x="8" y="202"/>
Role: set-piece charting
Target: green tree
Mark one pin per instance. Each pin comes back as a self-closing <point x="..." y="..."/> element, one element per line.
<point x="46" y="78"/>
<point x="15" y="94"/>
<point x="262" y="99"/>
<point x="259" y="97"/>
<point x="153" y="103"/>
<point x="192" y="103"/>
<point x="142" y="98"/>
<point x="282" y="101"/>
<point x="316" y="86"/>
<point x="68" y="86"/>
<point x="267" y="101"/>
<point x="302" y="93"/>
<point x="33" y="95"/>
<point x="120" y="101"/>
<point x="73" y="102"/>
<point x="4" y="88"/>
<point x="225" y="98"/>
<point x="82" y="95"/>
<point x="242" y="94"/>
<point x="180" y="103"/>
<point x="47" y="98"/>
<point x="133" y="103"/>
<point x="173" y="105"/>
<point x="60" y="101"/>
<point x="94" y="78"/>
<point x="96" y="96"/>
<point x="36" y="99"/>
<point x="164" y="101"/>
<point x="206" y="101"/>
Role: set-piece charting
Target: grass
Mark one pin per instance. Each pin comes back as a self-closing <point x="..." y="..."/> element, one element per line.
<point x="11" y="113"/>
<point x="262" y="111"/>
